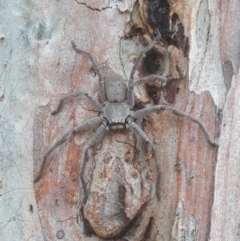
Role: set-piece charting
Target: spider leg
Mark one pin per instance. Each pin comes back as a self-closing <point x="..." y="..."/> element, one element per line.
<point x="149" y="110"/>
<point x="164" y="101"/>
<point x="94" y="102"/>
<point x="136" y="65"/>
<point x="141" y="56"/>
<point x="149" y="78"/>
<point x="85" y="125"/>
<point x="141" y="133"/>
<point x="97" y="70"/>
<point x="92" y="142"/>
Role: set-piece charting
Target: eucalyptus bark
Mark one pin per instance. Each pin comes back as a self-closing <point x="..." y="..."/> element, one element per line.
<point x="199" y="183"/>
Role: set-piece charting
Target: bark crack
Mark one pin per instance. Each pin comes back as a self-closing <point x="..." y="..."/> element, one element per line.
<point x="15" y="189"/>
<point x="124" y="142"/>
<point x="90" y="110"/>
<point x="91" y="8"/>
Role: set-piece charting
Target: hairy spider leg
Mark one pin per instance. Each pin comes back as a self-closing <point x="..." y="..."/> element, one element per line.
<point x="149" y="110"/>
<point x="94" y="102"/>
<point x="83" y="126"/>
<point x="142" y="54"/>
<point x="149" y="78"/>
<point x="97" y="70"/>
<point x="138" y="131"/>
<point x="91" y="143"/>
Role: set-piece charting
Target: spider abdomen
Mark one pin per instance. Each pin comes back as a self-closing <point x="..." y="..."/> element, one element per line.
<point x="116" y="113"/>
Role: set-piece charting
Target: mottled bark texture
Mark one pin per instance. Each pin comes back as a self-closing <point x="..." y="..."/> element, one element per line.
<point x="199" y="186"/>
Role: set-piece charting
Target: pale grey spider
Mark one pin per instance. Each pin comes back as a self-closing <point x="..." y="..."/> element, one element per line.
<point x="116" y="108"/>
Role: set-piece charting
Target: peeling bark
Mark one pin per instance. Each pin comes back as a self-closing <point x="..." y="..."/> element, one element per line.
<point x="199" y="183"/>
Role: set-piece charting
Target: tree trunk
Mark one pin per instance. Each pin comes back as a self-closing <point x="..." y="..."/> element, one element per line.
<point x="198" y="53"/>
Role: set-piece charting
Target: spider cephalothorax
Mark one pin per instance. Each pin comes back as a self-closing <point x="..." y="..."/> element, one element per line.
<point x="116" y="109"/>
<point x="116" y="88"/>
